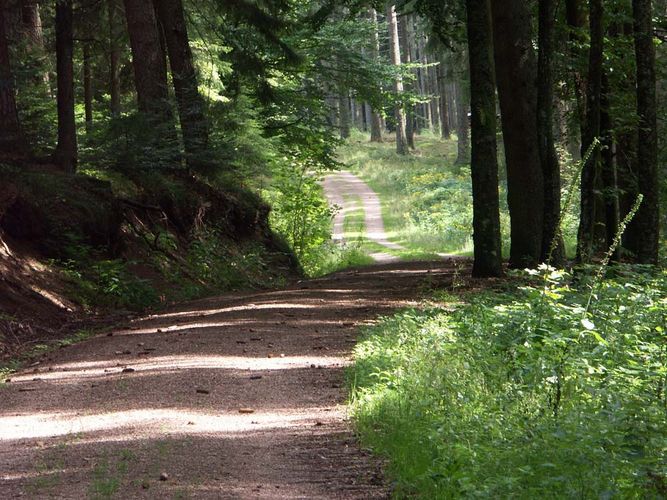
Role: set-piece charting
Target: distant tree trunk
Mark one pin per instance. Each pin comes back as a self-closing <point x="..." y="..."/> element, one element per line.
<point x="66" y="151"/>
<point x="87" y="88"/>
<point x="114" y="57"/>
<point x="576" y="19"/>
<point x="590" y="175"/>
<point x="423" y="84"/>
<point x="376" y="118"/>
<point x="462" y="125"/>
<point x="445" y="130"/>
<point x="516" y="73"/>
<point x="608" y="170"/>
<point x="552" y="242"/>
<point x="433" y="91"/>
<point x="484" y="165"/>
<point x="405" y="35"/>
<point x="150" y="71"/>
<point x="12" y="141"/>
<point x="401" y="140"/>
<point x="647" y="220"/>
<point x="344" y="113"/>
<point x="31" y="25"/>
<point x="194" y="125"/>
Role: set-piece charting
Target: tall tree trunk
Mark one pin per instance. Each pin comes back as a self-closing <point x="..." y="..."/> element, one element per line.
<point x="376" y="118"/>
<point x="423" y="84"/>
<point x="647" y="220"/>
<point x="344" y="113"/>
<point x="608" y="170"/>
<point x="552" y="242"/>
<point x="405" y="42"/>
<point x="445" y="130"/>
<point x="576" y="19"/>
<point x="65" y="155"/>
<point x="87" y="87"/>
<point x="401" y="140"/>
<point x="516" y="74"/>
<point x="590" y="175"/>
<point x="12" y="141"/>
<point x="484" y="165"/>
<point x="434" y="93"/>
<point x="114" y="56"/>
<point x="150" y="71"/>
<point x="194" y="125"/>
<point x="34" y="35"/>
<point x="462" y="124"/>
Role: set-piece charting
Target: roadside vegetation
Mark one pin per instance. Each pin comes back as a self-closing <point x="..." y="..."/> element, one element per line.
<point x="556" y="389"/>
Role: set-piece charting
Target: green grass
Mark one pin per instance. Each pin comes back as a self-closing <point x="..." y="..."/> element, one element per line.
<point x="522" y="394"/>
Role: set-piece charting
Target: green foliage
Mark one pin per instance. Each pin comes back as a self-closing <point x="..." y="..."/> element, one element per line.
<point x="523" y="395"/>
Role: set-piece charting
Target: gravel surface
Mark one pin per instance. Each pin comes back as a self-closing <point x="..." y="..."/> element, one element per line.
<point x="238" y="396"/>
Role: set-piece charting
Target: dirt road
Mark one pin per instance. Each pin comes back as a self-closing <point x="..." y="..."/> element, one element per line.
<point x="341" y="189"/>
<point x="239" y="396"/>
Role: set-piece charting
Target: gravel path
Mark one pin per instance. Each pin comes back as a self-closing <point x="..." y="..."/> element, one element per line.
<point x="343" y="186"/>
<point x="239" y="396"/>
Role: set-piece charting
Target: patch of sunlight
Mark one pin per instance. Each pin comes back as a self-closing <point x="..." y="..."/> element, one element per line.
<point x="87" y="369"/>
<point x="245" y="307"/>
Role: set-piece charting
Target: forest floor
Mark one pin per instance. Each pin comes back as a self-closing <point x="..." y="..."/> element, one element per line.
<point x="237" y="396"/>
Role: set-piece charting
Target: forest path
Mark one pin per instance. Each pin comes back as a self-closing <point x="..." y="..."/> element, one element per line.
<point x="238" y="396"/>
<point x="344" y="186"/>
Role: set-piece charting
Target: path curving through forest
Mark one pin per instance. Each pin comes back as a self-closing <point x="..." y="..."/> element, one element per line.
<point x="237" y="396"/>
<point x="341" y="189"/>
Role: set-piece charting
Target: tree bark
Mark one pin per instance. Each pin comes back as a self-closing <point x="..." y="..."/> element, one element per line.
<point x="590" y="175"/>
<point x="552" y="242"/>
<point x="516" y="74"/>
<point x="376" y="118"/>
<point x="65" y="155"/>
<point x="462" y="125"/>
<point x="395" y="52"/>
<point x="12" y="140"/>
<point x="114" y="57"/>
<point x="445" y="130"/>
<point x="87" y="88"/>
<point x="344" y="114"/>
<point x="484" y="164"/>
<point x="405" y="42"/>
<point x="647" y="221"/>
<point x="194" y="125"/>
<point x="150" y="71"/>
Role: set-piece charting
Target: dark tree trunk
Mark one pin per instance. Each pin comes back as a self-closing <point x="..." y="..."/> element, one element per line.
<point x="87" y="88"/>
<point x="609" y="173"/>
<point x="552" y="242"/>
<point x="344" y="114"/>
<point x="376" y="118"/>
<point x="434" y="93"/>
<point x="404" y="37"/>
<point x="395" y="52"/>
<point x="12" y="141"/>
<point x="516" y="74"/>
<point x="66" y="151"/>
<point x="150" y="71"/>
<point x="194" y="125"/>
<point x="462" y="125"/>
<point x="114" y="56"/>
<point x="484" y="165"/>
<point x="646" y="238"/>
<point x="445" y="130"/>
<point x="590" y="175"/>
<point x="576" y="19"/>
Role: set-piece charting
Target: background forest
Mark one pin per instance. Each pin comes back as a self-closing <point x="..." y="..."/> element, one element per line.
<point x="153" y="151"/>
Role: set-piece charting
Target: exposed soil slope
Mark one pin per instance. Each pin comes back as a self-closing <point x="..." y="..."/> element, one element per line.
<point x="239" y="396"/>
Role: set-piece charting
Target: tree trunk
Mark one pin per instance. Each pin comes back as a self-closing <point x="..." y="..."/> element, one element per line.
<point x="401" y="140"/>
<point x="445" y="130"/>
<point x="608" y="170"/>
<point x="552" y="242"/>
<point x="462" y="124"/>
<point x="484" y="165"/>
<point x="434" y="93"/>
<point x="516" y="73"/>
<point x="576" y="19"/>
<point x="647" y="220"/>
<point x="12" y="141"/>
<point x="376" y="118"/>
<point x="590" y="175"/>
<point x="194" y="125"/>
<point x="87" y="88"/>
<point x="66" y="151"/>
<point x="405" y="35"/>
<point x="114" y="57"/>
<point x="150" y="71"/>
<point x="344" y="113"/>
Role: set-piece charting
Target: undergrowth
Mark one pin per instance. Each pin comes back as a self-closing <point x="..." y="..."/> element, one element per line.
<point x="526" y="395"/>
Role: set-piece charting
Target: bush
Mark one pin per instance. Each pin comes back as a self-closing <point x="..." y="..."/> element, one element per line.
<point x="532" y="395"/>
